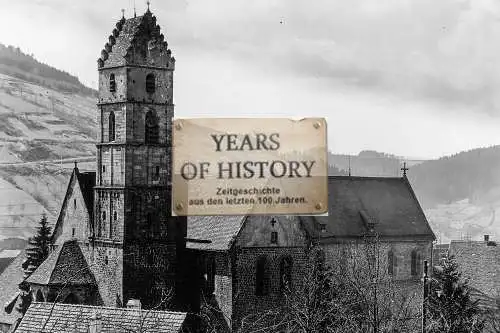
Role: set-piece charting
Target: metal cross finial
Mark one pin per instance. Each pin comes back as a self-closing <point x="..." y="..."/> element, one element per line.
<point x="123" y="13"/>
<point x="404" y="169"/>
<point x="148" y="3"/>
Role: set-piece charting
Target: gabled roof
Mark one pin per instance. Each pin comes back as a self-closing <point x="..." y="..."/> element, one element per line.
<point x="354" y="205"/>
<point x="78" y="318"/>
<point x="86" y="182"/>
<point x="130" y="38"/>
<point x="389" y="203"/>
<point x="9" y="282"/>
<point x="65" y="265"/>
<point x="218" y="232"/>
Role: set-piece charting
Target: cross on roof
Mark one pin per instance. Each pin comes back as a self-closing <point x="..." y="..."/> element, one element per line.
<point x="404" y="169"/>
<point x="123" y="12"/>
<point x="148" y="3"/>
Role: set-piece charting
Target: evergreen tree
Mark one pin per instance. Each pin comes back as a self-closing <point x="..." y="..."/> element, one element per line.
<point x="38" y="247"/>
<point x="449" y="304"/>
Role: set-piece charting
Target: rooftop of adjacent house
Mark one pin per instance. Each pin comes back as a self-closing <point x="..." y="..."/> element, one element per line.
<point x="479" y="261"/>
<point x="9" y="281"/>
<point x="65" y="265"/>
<point x="59" y="317"/>
<point x="355" y="205"/>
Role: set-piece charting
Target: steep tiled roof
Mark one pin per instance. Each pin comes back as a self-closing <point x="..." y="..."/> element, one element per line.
<point x="480" y="263"/>
<point x="86" y="180"/>
<point x="77" y="318"/>
<point x="65" y="265"/>
<point x="354" y="203"/>
<point x="123" y="42"/>
<point x="9" y="281"/>
<point x="219" y="231"/>
<point x="388" y="202"/>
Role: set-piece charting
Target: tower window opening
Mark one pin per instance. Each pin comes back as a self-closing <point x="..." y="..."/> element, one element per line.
<point x="111" y="126"/>
<point x="72" y="232"/>
<point x="112" y="83"/>
<point x="157" y="173"/>
<point x="151" y="135"/>
<point x="103" y="169"/>
<point x="274" y="237"/>
<point x="74" y="203"/>
<point x="150" y="83"/>
<point x="104" y="216"/>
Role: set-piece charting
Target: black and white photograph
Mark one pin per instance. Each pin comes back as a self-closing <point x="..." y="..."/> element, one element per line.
<point x="249" y="166"/>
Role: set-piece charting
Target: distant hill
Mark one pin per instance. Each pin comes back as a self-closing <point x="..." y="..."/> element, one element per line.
<point x="15" y="63"/>
<point x="472" y="175"/>
<point x="460" y="193"/>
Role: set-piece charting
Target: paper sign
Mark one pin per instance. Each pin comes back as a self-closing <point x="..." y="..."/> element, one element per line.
<point x="236" y="166"/>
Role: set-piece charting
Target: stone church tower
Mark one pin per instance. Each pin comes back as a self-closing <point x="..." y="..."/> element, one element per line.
<point x="136" y="242"/>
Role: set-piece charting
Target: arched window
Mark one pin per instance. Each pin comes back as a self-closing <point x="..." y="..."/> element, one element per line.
<point x="286" y="273"/>
<point x="261" y="277"/>
<point x="391" y="263"/>
<point x="111" y="126"/>
<point x="151" y="128"/>
<point x="112" y="83"/>
<point x="39" y="296"/>
<point x="416" y="263"/>
<point x="150" y="83"/>
<point x="71" y="299"/>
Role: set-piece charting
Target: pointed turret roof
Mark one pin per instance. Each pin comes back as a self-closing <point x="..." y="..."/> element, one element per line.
<point x="130" y="41"/>
<point x="65" y="265"/>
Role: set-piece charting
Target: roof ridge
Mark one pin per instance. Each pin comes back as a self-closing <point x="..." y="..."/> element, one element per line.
<point x="363" y="177"/>
<point x="56" y="260"/>
<point x="103" y="307"/>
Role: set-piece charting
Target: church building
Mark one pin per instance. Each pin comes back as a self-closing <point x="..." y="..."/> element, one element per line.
<point x="116" y="243"/>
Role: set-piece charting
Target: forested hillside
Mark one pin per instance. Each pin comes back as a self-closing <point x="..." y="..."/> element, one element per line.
<point x="15" y="63"/>
<point x="472" y="175"/>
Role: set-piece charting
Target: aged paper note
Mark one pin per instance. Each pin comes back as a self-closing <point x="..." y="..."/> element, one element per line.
<point x="233" y="166"/>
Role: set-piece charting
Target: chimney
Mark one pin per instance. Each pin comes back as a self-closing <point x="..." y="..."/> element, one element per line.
<point x="95" y="323"/>
<point x="486" y="238"/>
<point x="134" y="304"/>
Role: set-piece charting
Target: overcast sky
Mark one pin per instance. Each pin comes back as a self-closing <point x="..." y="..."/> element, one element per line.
<point x="417" y="78"/>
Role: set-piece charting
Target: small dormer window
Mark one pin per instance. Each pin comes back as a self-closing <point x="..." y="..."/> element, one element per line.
<point x="112" y="83"/>
<point x="150" y="83"/>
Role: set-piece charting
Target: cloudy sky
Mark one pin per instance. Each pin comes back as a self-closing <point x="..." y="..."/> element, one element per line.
<point x="417" y="78"/>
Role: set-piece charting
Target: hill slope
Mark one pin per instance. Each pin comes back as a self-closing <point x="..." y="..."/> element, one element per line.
<point x="40" y="128"/>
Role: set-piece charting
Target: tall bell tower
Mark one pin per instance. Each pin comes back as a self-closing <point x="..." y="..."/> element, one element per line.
<point x="135" y="242"/>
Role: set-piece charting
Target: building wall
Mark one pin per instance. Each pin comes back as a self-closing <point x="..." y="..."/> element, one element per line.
<point x="74" y="215"/>
<point x="245" y="300"/>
